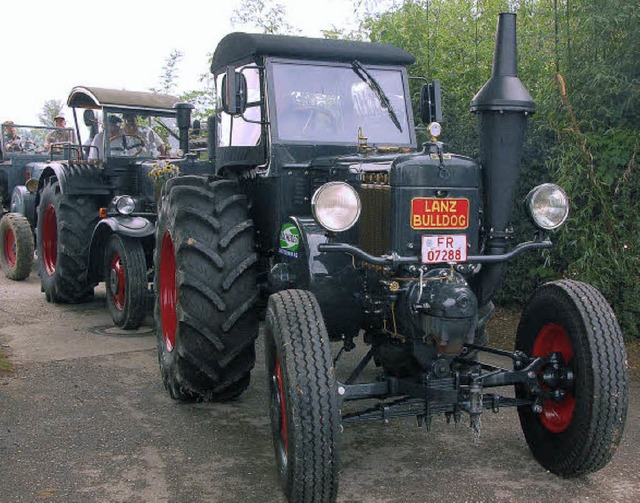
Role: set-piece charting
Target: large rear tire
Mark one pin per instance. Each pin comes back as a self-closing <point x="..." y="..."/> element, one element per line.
<point x="579" y="433"/>
<point x="65" y="225"/>
<point x="17" y="246"/>
<point x="206" y="289"/>
<point x="126" y="281"/>
<point x="305" y="417"/>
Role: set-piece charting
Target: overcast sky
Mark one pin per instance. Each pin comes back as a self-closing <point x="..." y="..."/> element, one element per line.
<point x="49" y="47"/>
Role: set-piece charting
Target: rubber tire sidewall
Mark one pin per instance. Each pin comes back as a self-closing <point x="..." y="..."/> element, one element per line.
<point x="23" y="235"/>
<point x="136" y="285"/>
<point x="590" y="439"/>
<point x="214" y="251"/>
<point x="295" y="334"/>
<point x="69" y="283"/>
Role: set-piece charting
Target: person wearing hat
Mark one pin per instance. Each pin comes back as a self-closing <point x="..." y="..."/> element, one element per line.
<point x="12" y="141"/>
<point x="97" y="145"/>
<point x="59" y="135"/>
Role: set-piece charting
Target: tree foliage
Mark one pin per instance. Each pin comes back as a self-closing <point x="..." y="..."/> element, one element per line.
<point x="579" y="61"/>
<point x="169" y="76"/>
<point x="50" y="109"/>
<point x="268" y="16"/>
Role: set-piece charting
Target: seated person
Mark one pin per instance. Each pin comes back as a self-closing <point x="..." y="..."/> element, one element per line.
<point x="12" y="142"/>
<point x="151" y="139"/>
<point x="97" y="145"/>
<point x="59" y="135"/>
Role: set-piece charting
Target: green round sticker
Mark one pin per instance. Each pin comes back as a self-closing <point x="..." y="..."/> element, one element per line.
<point x="289" y="237"/>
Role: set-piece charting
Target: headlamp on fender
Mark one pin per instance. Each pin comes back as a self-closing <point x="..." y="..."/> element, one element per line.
<point x="124" y="204"/>
<point x="336" y="206"/>
<point x="548" y="206"/>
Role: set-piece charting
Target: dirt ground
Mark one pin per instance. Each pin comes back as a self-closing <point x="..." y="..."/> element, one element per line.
<point x="84" y="418"/>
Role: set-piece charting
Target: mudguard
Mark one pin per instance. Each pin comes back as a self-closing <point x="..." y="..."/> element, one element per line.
<point x="135" y="227"/>
<point x="24" y="202"/>
<point x="330" y="276"/>
<point x="76" y="178"/>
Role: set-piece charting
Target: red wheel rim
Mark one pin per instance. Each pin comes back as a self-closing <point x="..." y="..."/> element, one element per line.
<point x="50" y="240"/>
<point x="283" y="412"/>
<point x="9" y="247"/>
<point x="116" y="272"/>
<point x="168" y="292"/>
<point x="553" y="338"/>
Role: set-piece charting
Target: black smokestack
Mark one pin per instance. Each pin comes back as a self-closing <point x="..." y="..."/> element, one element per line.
<point x="503" y="106"/>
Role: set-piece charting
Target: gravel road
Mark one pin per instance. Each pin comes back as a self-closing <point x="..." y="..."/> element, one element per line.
<point x="84" y="418"/>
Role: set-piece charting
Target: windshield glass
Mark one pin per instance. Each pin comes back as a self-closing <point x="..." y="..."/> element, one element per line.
<point x="328" y="104"/>
<point x="136" y="135"/>
<point x="18" y="139"/>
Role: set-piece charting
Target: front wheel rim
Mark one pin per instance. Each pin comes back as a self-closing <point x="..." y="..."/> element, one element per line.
<point x="116" y="279"/>
<point x="279" y="413"/>
<point x="50" y="240"/>
<point x="9" y="247"/>
<point x="168" y="292"/>
<point x="556" y="416"/>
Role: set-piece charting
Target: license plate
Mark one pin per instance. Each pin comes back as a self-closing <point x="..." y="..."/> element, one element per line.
<point x="444" y="248"/>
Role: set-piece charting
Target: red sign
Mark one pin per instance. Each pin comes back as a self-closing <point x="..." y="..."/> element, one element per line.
<point x="439" y="214"/>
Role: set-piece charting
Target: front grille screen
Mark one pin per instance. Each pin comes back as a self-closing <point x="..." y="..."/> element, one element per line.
<point x="375" y="219"/>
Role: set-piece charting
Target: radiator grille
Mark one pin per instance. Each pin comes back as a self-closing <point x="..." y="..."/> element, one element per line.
<point x="375" y="220"/>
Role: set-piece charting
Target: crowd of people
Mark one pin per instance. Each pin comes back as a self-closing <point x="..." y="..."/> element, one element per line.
<point x="128" y="139"/>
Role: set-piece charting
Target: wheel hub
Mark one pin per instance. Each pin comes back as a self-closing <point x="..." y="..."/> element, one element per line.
<point x="556" y="413"/>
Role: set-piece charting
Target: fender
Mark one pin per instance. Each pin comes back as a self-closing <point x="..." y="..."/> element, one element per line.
<point x="330" y="278"/>
<point x="76" y="177"/>
<point x="24" y="202"/>
<point x="135" y="227"/>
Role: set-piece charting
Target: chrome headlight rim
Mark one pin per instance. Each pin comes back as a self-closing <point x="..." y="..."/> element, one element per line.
<point x="327" y="221"/>
<point x="539" y="203"/>
<point x="125" y="205"/>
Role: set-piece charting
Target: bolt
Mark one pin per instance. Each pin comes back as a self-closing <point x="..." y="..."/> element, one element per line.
<point x="341" y="390"/>
<point x="537" y="408"/>
<point x="531" y="374"/>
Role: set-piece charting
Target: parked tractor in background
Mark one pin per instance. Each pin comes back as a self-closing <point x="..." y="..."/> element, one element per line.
<point x="323" y="202"/>
<point x="23" y="152"/>
<point x="96" y="213"/>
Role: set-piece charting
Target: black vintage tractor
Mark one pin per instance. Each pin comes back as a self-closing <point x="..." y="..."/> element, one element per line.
<point x="23" y="152"/>
<point x="323" y="203"/>
<point x="96" y="212"/>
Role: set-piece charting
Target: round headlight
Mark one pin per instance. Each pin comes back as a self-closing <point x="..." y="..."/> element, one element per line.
<point x="548" y="205"/>
<point x="336" y="206"/>
<point x="125" y="205"/>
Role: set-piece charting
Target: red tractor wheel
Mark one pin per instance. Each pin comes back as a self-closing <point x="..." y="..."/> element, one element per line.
<point x="65" y="225"/>
<point x="577" y="421"/>
<point x="17" y="246"/>
<point x="126" y="281"/>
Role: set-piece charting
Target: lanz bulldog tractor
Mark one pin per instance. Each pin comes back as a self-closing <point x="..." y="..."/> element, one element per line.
<point x="323" y="203"/>
<point x="96" y="211"/>
<point x="24" y="150"/>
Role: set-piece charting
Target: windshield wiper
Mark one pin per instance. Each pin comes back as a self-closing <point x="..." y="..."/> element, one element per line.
<point x="361" y="72"/>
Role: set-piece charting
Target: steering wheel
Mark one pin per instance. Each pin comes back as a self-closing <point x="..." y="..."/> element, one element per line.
<point x="318" y="120"/>
<point x="133" y="148"/>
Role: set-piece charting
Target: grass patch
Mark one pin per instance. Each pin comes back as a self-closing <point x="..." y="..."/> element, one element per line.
<point x="5" y="364"/>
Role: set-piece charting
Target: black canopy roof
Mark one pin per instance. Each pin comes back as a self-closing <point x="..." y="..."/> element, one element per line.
<point x="99" y="97"/>
<point x="239" y="46"/>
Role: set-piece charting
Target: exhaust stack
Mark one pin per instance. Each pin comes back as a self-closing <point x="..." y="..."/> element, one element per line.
<point x="503" y="106"/>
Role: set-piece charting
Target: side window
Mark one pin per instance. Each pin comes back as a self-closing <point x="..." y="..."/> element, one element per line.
<point x="236" y="131"/>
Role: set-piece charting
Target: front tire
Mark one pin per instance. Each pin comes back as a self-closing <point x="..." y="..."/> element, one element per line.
<point x="206" y="289"/>
<point x="579" y="433"/>
<point x="17" y="246"/>
<point x="305" y="417"/>
<point x="126" y="281"/>
<point x="65" y="225"/>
